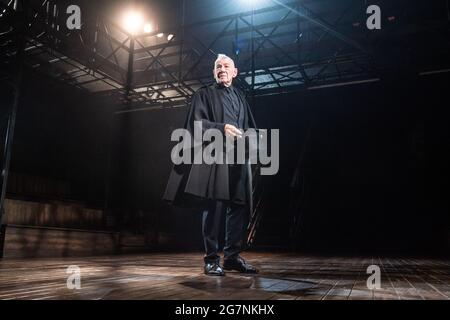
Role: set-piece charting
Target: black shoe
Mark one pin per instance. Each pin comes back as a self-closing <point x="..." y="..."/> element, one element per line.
<point x="213" y="269"/>
<point x="240" y="265"/>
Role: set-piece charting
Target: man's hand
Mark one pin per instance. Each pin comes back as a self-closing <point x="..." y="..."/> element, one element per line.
<point x="232" y="131"/>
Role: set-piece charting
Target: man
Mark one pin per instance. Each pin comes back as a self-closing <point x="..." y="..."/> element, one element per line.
<point x="222" y="188"/>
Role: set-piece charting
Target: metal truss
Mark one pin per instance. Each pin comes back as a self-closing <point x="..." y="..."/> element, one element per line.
<point x="277" y="49"/>
<point x="284" y="47"/>
<point x="11" y="70"/>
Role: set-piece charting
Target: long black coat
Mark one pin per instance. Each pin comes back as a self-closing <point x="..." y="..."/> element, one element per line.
<point x="191" y="184"/>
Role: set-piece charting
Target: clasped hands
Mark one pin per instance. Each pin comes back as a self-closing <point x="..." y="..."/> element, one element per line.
<point x="232" y="131"/>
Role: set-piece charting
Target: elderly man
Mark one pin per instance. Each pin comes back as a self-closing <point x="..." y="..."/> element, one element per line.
<point x="219" y="187"/>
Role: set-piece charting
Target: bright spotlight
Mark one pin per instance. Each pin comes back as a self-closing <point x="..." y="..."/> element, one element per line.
<point x="148" y="28"/>
<point x="250" y="2"/>
<point x="169" y="37"/>
<point x="160" y="35"/>
<point x="132" y="21"/>
<point x="256" y="4"/>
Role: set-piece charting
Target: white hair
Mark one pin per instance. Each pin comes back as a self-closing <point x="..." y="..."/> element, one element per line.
<point x="222" y="56"/>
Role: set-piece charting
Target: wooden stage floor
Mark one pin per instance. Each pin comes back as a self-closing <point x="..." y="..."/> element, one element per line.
<point x="179" y="276"/>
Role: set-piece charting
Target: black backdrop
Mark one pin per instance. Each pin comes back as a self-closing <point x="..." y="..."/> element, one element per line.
<point x="375" y="168"/>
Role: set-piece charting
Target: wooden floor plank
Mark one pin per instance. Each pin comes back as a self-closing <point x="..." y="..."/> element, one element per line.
<point x="179" y="276"/>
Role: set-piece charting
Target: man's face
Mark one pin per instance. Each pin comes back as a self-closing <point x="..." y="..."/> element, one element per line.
<point x="225" y="72"/>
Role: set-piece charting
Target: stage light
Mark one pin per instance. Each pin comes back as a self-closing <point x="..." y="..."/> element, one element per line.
<point x="160" y="35"/>
<point x="169" y="37"/>
<point x="148" y="28"/>
<point x="256" y="4"/>
<point x="251" y="2"/>
<point x="132" y="21"/>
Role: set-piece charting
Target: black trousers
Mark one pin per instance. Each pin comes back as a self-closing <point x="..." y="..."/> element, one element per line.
<point x="235" y="219"/>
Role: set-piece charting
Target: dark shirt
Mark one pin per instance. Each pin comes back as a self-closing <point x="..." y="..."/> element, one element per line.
<point x="233" y="109"/>
<point x="233" y="113"/>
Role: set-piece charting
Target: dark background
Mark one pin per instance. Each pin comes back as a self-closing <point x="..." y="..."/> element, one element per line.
<point x="375" y="167"/>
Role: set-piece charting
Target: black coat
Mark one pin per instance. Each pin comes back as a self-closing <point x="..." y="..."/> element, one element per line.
<point x="190" y="184"/>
